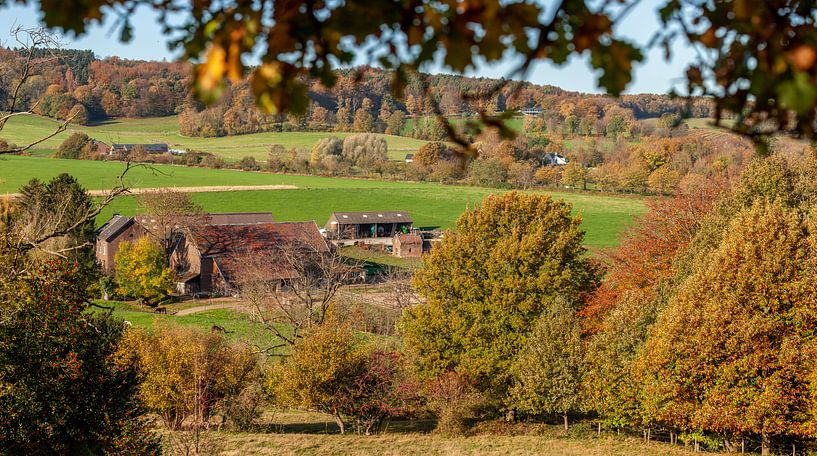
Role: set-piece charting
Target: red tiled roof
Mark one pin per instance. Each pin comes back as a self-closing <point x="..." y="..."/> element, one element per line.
<point x="213" y="240"/>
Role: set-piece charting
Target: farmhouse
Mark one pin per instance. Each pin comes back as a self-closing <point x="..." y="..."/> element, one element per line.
<point x="554" y="159"/>
<point x="149" y="148"/>
<point x="407" y="245"/>
<point x="120" y="228"/>
<point x="206" y="259"/>
<point x="367" y="226"/>
<point x="409" y="158"/>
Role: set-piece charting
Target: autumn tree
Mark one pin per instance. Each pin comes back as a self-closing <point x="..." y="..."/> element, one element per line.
<point x="395" y="123"/>
<point x="489" y="281"/>
<point x="72" y="146"/>
<point x="364" y="121"/>
<point x="326" y="147"/>
<point x="574" y="175"/>
<point x="732" y="352"/>
<point x="328" y="372"/>
<point x="189" y="375"/>
<point x="167" y="213"/>
<point x="142" y="271"/>
<point x="365" y="149"/>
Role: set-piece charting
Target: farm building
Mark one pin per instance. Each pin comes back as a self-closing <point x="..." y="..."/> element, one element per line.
<point x="554" y="159"/>
<point x="367" y="225"/>
<point x="409" y="158"/>
<point x="207" y="259"/>
<point x="407" y="245"/>
<point x="101" y="147"/>
<point x="120" y="228"/>
<point x="149" y="148"/>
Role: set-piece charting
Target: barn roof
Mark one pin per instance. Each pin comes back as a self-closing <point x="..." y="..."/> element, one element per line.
<point x="113" y="227"/>
<point x="214" y="240"/>
<point x="355" y="218"/>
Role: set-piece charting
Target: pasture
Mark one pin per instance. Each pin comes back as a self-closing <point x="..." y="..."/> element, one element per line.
<point x="431" y="204"/>
<point x="23" y="129"/>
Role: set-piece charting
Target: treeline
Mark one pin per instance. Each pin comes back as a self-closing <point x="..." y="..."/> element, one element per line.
<point x="701" y="329"/>
<point x="91" y="89"/>
<point x="662" y="165"/>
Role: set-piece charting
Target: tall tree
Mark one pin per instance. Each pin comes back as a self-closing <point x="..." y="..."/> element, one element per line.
<point x="489" y="281"/>
<point x="733" y="351"/>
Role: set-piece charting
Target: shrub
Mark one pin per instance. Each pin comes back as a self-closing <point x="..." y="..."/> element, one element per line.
<point x="249" y="163"/>
<point x="187" y="374"/>
<point x="454" y="399"/>
<point x="142" y="272"/>
<point x="72" y="146"/>
<point x="328" y="373"/>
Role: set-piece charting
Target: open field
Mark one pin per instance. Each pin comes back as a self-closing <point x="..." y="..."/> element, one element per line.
<point x="291" y="432"/>
<point x="241" y="327"/>
<point x="431" y="204"/>
<point x="24" y="129"/>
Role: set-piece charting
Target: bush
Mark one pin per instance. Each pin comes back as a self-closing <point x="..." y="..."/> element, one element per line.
<point x="248" y="163"/>
<point x="328" y="373"/>
<point x="454" y="399"/>
<point x="72" y="146"/>
<point x="187" y="374"/>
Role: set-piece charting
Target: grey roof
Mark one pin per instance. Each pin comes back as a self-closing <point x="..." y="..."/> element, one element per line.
<point x="113" y="227"/>
<point x="345" y="218"/>
<point x="148" y="147"/>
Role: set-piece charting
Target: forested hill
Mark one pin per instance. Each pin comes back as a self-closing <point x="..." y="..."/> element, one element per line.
<point x="91" y="89"/>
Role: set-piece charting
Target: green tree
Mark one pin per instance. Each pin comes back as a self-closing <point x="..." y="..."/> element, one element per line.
<point x="72" y="146"/>
<point x="141" y="270"/>
<point x="488" y="282"/>
<point x="58" y="206"/>
<point x="547" y="373"/>
<point x="62" y="388"/>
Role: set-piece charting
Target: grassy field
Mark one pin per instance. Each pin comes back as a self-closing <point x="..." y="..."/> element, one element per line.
<point x="23" y="129"/>
<point x="291" y="432"/>
<point x="431" y="204"/>
<point x="241" y="327"/>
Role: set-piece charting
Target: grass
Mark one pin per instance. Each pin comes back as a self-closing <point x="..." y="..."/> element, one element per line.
<point x="603" y="217"/>
<point x="306" y="433"/>
<point x="241" y="327"/>
<point x="431" y="204"/>
<point x="23" y="129"/>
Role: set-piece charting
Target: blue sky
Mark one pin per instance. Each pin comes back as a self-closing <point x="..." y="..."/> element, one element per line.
<point x="654" y="76"/>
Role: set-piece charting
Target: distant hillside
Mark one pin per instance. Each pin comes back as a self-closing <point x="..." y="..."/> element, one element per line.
<point x="101" y="89"/>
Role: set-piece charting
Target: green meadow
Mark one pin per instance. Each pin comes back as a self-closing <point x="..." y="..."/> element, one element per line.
<point x="23" y="129"/>
<point x="431" y="204"/>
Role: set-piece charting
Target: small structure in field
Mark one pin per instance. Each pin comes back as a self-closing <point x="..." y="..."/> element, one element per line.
<point x="409" y="158"/>
<point x="554" y="159"/>
<point x="148" y="148"/>
<point x="368" y="226"/>
<point x="407" y="245"/>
